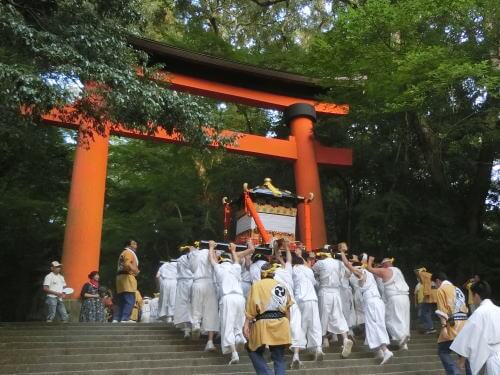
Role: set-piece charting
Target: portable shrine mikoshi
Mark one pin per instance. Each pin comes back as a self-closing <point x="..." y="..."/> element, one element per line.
<point x="263" y="213"/>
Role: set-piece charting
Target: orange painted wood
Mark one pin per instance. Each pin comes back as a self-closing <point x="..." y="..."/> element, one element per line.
<point x="307" y="225"/>
<point x="333" y="155"/>
<point x="82" y="238"/>
<point x="242" y="95"/>
<point x="253" y="212"/>
<point x="246" y="144"/>
<point x="307" y="181"/>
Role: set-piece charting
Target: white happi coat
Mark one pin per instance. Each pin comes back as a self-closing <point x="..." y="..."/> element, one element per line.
<point x="182" y="311"/>
<point x="328" y="272"/>
<point x="231" y="305"/>
<point x="358" y="300"/>
<point x="255" y="269"/>
<point x="479" y="340"/>
<point x="284" y="276"/>
<point x="167" y="275"/>
<point x="307" y="299"/>
<point x="375" y="329"/>
<point x="246" y="278"/>
<point x="347" y="297"/>
<point x="397" y="308"/>
<point x="204" y="300"/>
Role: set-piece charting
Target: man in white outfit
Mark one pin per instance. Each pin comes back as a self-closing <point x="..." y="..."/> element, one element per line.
<point x="284" y="276"/>
<point x="346" y="295"/>
<point x="374" y="311"/>
<point x="257" y="261"/>
<point x="167" y="278"/>
<point x="182" y="310"/>
<point x="307" y="299"/>
<point x="396" y="291"/>
<point x="204" y="301"/>
<point x="328" y="271"/>
<point x="246" y="277"/>
<point x="479" y="340"/>
<point x="232" y="302"/>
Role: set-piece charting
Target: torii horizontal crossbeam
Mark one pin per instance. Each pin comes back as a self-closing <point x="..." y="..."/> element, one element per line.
<point x="245" y="144"/>
<point x="243" y="95"/>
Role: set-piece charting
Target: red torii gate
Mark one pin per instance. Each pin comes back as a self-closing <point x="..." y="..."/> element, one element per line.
<point x="81" y="249"/>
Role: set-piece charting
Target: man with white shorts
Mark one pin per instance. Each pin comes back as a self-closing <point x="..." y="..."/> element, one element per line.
<point x="328" y="271"/>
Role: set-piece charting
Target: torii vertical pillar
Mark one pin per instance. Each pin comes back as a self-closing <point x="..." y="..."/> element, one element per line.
<point x="301" y="117"/>
<point x="82" y="238"/>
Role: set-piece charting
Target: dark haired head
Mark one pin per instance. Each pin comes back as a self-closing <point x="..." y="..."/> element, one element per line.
<point x="297" y="260"/>
<point x="92" y="274"/>
<point x="439" y="275"/>
<point x="482" y="289"/>
<point x="357" y="264"/>
<point x="129" y="242"/>
<point x="258" y="256"/>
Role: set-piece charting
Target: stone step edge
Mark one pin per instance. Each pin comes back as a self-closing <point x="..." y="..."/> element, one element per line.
<point x="124" y="363"/>
<point x="149" y="369"/>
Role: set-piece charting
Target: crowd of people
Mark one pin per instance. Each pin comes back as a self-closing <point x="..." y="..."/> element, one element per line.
<point x="304" y="301"/>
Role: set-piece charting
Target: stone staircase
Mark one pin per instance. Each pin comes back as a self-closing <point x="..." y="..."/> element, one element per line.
<point x="72" y="348"/>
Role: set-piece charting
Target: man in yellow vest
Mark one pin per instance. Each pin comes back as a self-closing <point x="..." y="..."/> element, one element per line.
<point x="126" y="282"/>
<point x="452" y="312"/>
<point x="267" y="322"/>
<point x="428" y="304"/>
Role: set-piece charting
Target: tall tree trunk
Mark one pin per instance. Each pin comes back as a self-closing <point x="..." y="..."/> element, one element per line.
<point x="476" y="198"/>
<point x="431" y="149"/>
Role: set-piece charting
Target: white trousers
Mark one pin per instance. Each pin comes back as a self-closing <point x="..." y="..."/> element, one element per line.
<point x="358" y="307"/>
<point x="167" y="297"/>
<point x="330" y="311"/>
<point x="375" y="330"/>
<point x="348" y="306"/>
<point x="232" y="319"/>
<point x="493" y="364"/>
<point x="397" y="316"/>
<point x="204" y="305"/>
<point x="311" y="324"/>
<point x="298" y="337"/>
<point x="182" y="310"/>
<point x="246" y="286"/>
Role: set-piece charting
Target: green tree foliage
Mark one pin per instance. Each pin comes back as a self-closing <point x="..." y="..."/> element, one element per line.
<point x="422" y="79"/>
<point x="48" y="46"/>
<point x="35" y="168"/>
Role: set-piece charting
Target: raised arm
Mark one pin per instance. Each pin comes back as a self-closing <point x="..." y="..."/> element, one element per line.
<point x="241" y="254"/>
<point x="358" y="273"/>
<point x="277" y="252"/>
<point x="288" y="253"/>
<point x="379" y="272"/>
<point x="211" y="253"/>
<point x="232" y="250"/>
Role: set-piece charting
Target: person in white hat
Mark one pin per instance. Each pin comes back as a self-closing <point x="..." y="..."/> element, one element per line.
<point x="227" y="270"/>
<point x="376" y="336"/>
<point x="167" y="277"/>
<point x="328" y="271"/>
<point x="53" y="286"/>
<point x="182" y="309"/>
<point x="396" y="290"/>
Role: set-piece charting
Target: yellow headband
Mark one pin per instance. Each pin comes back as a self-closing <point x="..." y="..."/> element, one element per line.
<point x="321" y="254"/>
<point x="184" y="248"/>
<point x="385" y="260"/>
<point x="423" y="269"/>
<point x="266" y="273"/>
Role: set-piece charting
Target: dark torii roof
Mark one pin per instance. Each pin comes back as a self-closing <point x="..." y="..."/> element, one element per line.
<point x="178" y="60"/>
